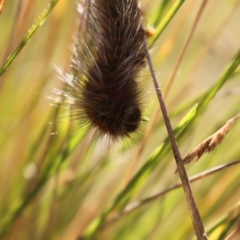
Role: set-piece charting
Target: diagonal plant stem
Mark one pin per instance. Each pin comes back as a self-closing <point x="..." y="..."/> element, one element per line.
<point x="195" y="215"/>
<point x="164" y="23"/>
<point x="160" y="28"/>
<point x="189" y="38"/>
<point x="131" y="207"/>
<point x="30" y="33"/>
<point x="194" y="212"/>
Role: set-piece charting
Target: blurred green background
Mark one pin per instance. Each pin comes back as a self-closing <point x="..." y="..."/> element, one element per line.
<point x="58" y="184"/>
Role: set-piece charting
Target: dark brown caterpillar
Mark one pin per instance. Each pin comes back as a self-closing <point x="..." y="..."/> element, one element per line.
<point x="108" y="57"/>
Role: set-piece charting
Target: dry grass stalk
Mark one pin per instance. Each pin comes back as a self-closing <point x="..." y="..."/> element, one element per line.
<point x="211" y="142"/>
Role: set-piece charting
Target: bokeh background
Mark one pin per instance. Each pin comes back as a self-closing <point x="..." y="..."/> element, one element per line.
<point x="55" y="183"/>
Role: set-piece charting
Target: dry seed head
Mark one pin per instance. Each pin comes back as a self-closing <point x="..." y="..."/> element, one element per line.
<point x="211" y="142"/>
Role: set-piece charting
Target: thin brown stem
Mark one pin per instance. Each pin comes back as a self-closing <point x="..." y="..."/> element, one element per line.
<point x="195" y="215"/>
<point x="189" y="38"/>
<point x="194" y="212"/>
<point x="139" y="204"/>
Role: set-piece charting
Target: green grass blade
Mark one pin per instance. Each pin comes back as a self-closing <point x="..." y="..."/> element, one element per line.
<point x="166" y="20"/>
<point x="158" y="14"/>
<point x="228" y="220"/>
<point x="53" y="163"/>
<point x="30" y="33"/>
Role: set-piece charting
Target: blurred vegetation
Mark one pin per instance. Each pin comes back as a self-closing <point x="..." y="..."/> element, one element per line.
<point x="58" y="184"/>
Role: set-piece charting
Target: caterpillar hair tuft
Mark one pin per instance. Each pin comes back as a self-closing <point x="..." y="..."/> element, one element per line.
<point x="108" y="57"/>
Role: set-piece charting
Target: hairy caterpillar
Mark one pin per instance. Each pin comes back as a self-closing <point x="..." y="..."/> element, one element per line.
<point x="108" y="57"/>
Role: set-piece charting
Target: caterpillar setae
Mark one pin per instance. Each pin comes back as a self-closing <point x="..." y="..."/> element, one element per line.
<point x="108" y="56"/>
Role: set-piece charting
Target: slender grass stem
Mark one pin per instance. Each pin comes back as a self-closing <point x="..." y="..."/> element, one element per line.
<point x="133" y="206"/>
<point x="194" y="212"/>
<point x="30" y="33"/>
